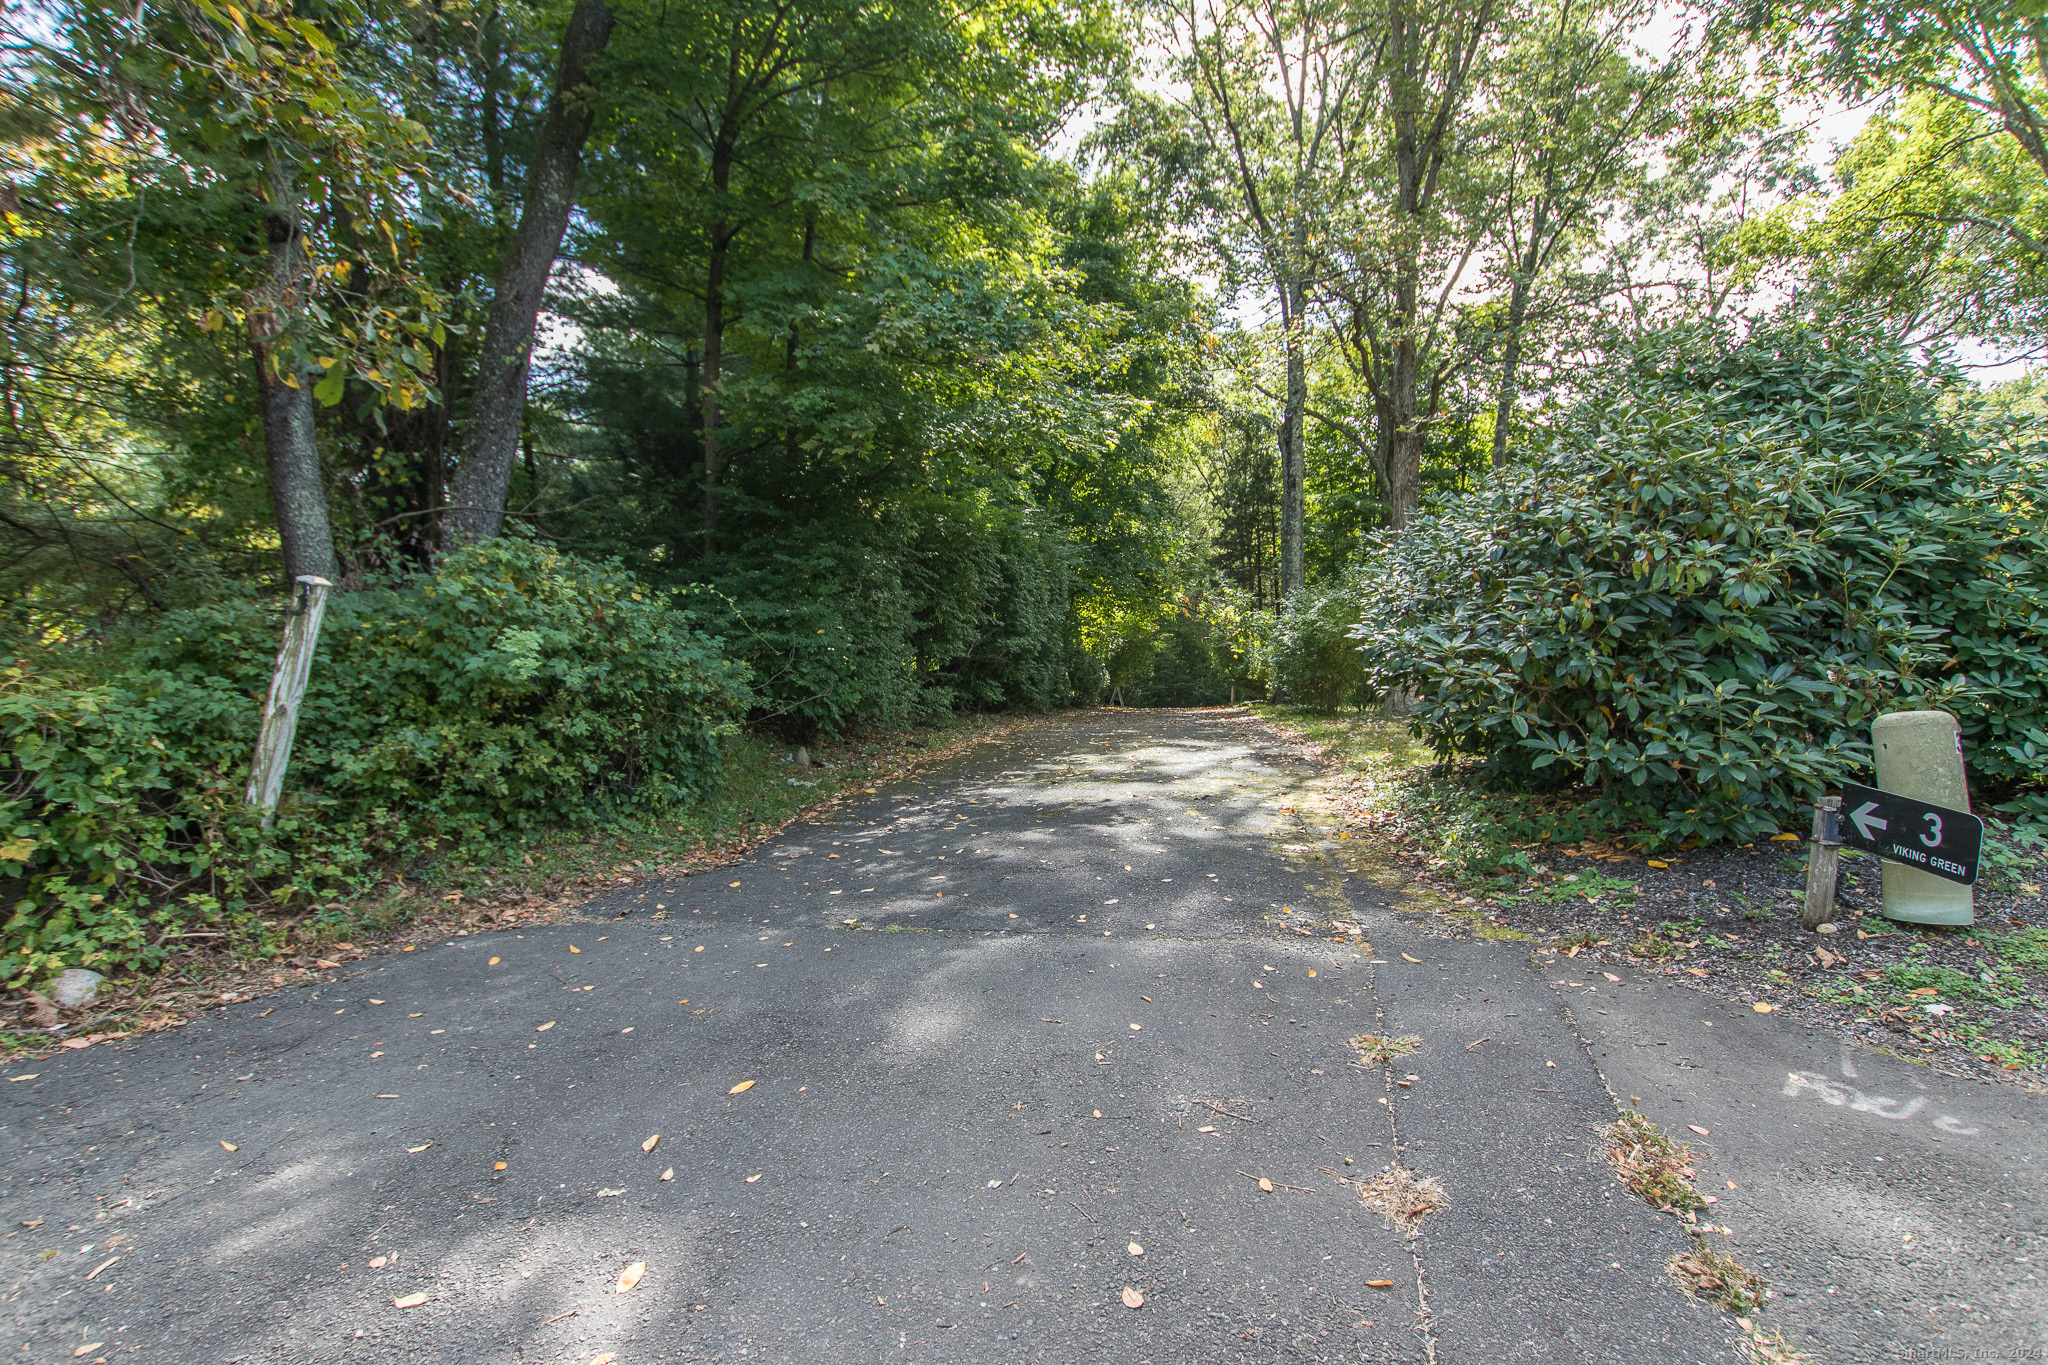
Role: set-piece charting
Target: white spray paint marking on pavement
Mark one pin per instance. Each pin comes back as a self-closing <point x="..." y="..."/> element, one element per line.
<point x="1799" y="1083"/>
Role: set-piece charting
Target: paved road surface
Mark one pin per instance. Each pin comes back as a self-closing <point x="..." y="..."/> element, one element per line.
<point x="1022" y="1033"/>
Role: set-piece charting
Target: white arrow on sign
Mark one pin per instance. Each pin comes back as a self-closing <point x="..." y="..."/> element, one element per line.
<point x="1865" y="822"/>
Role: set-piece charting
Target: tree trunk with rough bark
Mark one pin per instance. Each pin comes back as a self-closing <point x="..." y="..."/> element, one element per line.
<point x="722" y="233"/>
<point x="714" y="354"/>
<point x="1293" y="465"/>
<point x="298" y="490"/>
<point x="1511" y="350"/>
<point x="490" y="442"/>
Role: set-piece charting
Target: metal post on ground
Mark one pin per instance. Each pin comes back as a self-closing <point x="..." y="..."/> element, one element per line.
<point x="1822" y="854"/>
<point x="287" y="690"/>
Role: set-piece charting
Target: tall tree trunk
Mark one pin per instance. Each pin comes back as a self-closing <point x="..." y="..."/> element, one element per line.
<point x="714" y="339"/>
<point x="1404" y="452"/>
<point x="491" y="117"/>
<point x="1510" y="362"/>
<point x="1293" y="465"/>
<point x="1511" y="351"/>
<point x="298" y="491"/>
<point x="1422" y="124"/>
<point x="714" y="347"/>
<point x="490" y="441"/>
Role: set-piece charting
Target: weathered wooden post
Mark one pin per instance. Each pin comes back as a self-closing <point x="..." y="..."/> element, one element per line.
<point x="1822" y="854"/>
<point x="287" y="690"/>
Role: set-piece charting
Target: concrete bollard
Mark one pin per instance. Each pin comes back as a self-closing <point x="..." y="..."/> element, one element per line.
<point x="1920" y="754"/>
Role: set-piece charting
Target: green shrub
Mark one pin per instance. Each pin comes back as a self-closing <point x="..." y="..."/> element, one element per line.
<point x="1729" y="558"/>
<point x="514" y="686"/>
<point x="1311" y="658"/>
<point x="115" y="830"/>
<point x="1191" y="666"/>
<point x="849" y="624"/>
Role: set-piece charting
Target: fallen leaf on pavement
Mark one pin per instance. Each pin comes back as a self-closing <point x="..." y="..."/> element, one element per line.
<point x="498" y="1166"/>
<point x="25" y="1076"/>
<point x="606" y="1359"/>
<point x="76" y="1042"/>
<point x="732" y="883"/>
<point x="377" y="1262"/>
<point x="1784" y="838"/>
<point x="493" y="962"/>
<point x="409" y="1301"/>
<point x="1610" y="976"/>
<point x="1655" y="863"/>
<point x="1763" y="1007"/>
<point x="92" y="1346"/>
<point x="229" y="1147"/>
<point x="376" y="1002"/>
<point x="651" y="1143"/>
<point x="421" y="1148"/>
<point x="574" y="949"/>
<point x="545" y="1027"/>
<point x="630" y="1276"/>
<point x="1136" y="1027"/>
<point x="1406" y="958"/>
<point x="1265" y="1185"/>
<point x="323" y="962"/>
<point x="756" y="1176"/>
<point x="1136" y="1250"/>
<point x="669" y="1174"/>
<point x="1697" y="1129"/>
<point x="1132" y="1298"/>
<point x="742" y="1086"/>
<point x="1697" y="971"/>
<point x="1379" y="1284"/>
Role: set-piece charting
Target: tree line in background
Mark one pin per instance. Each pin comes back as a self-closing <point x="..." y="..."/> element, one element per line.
<point x="639" y="373"/>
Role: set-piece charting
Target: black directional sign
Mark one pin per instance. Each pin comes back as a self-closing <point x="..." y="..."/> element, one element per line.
<point x="1932" y="838"/>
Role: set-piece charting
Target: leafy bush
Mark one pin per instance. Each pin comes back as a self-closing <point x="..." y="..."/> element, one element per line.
<point x="847" y="625"/>
<point x="1190" y="664"/>
<point x="1310" y="655"/>
<point x="1728" y="559"/>
<point x="513" y="686"/>
<point x="111" y="836"/>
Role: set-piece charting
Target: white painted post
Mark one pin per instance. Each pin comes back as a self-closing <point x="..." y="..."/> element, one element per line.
<point x="287" y="690"/>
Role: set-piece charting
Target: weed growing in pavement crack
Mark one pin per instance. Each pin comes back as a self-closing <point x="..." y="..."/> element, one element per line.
<point x="1770" y="1348"/>
<point x="1651" y="1164"/>
<point x="1403" y="1196"/>
<point x="1717" y="1278"/>
<point x="1374" y="1050"/>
